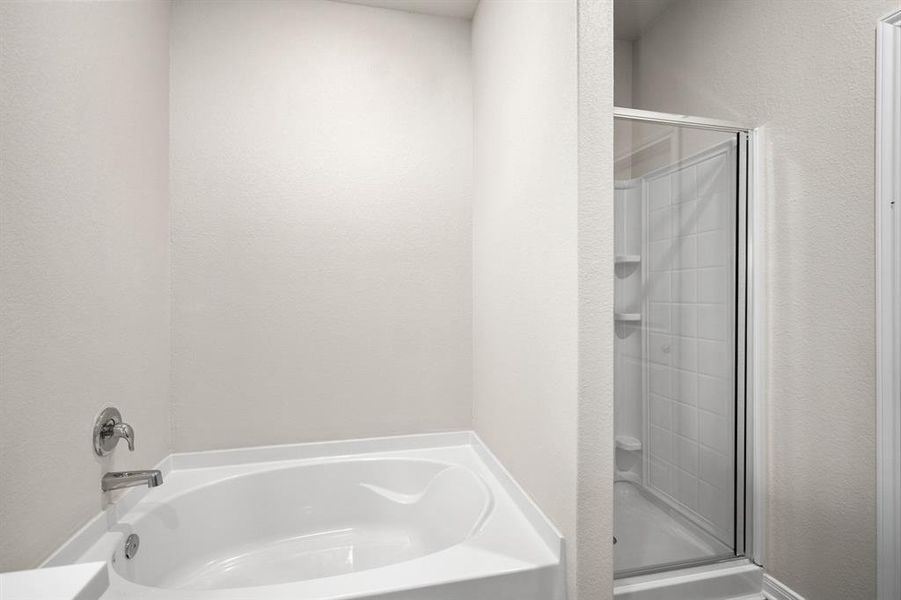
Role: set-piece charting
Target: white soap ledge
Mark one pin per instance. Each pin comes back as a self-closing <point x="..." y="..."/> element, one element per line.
<point x="627" y="317"/>
<point x="628" y="443"/>
<point x="627" y="259"/>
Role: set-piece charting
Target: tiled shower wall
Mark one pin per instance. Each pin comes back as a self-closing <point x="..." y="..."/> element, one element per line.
<point x="690" y="336"/>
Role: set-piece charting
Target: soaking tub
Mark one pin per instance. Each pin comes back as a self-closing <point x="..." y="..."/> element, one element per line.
<point x="425" y="517"/>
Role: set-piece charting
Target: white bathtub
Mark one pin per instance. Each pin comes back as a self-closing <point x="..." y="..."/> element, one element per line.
<point x="425" y="517"/>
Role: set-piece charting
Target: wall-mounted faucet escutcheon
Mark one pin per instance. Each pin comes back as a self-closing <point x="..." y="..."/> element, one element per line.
<point x="109" y="429"/>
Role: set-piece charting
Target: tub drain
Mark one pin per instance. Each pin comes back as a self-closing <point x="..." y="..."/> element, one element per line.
<point x="131" y="546"/>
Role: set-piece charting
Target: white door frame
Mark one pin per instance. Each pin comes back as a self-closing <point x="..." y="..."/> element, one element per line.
<point x="888" y="307"/>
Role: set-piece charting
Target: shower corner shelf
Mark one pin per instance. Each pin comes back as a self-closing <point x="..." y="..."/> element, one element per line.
<point x="627" y="317"/>
<point x="627" y="259"/>
<point x="627" y="443"/>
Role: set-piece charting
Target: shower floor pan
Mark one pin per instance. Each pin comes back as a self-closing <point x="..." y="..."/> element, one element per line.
<point x="649" y="535"/>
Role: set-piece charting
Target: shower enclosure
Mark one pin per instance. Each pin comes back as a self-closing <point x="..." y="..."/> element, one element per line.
<point x="681" y="257"/>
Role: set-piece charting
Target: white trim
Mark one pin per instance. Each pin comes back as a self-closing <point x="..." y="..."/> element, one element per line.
<point x="774" y="589"/>
<point x="888" y="315"/>
<point x="757" y="351"/>
<point x="678" y="120"/>
<point x="737" y="578"/>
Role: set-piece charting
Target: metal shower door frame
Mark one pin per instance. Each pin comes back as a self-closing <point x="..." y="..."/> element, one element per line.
<point x="750" y="435"/>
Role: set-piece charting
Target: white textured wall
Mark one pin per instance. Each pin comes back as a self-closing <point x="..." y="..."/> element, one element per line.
<point x="527" y="216"/>
<point x="321" y="187"/>
<point x="805" y="70"/>
<point x="596" y="287"/>
<point x="84" y="263"/>
<point x="525" y="272"/>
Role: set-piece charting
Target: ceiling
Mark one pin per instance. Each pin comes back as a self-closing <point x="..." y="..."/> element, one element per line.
<point x="462" y="9"/>
<point x="632" y="17"/>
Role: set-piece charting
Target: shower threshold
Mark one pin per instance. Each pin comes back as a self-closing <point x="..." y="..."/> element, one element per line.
<point x="650" y="535"/>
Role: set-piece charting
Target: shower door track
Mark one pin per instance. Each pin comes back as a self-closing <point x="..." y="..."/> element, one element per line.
<point x="648" y="116"/>
<point x="750" y="375"/>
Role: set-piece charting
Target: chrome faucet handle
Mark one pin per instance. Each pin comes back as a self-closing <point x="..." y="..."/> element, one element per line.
<point x="109" y="429"/>
<point x="125" y="432"/>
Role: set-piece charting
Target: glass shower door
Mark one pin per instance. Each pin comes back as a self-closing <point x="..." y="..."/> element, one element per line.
<point x="679" y="346"/>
